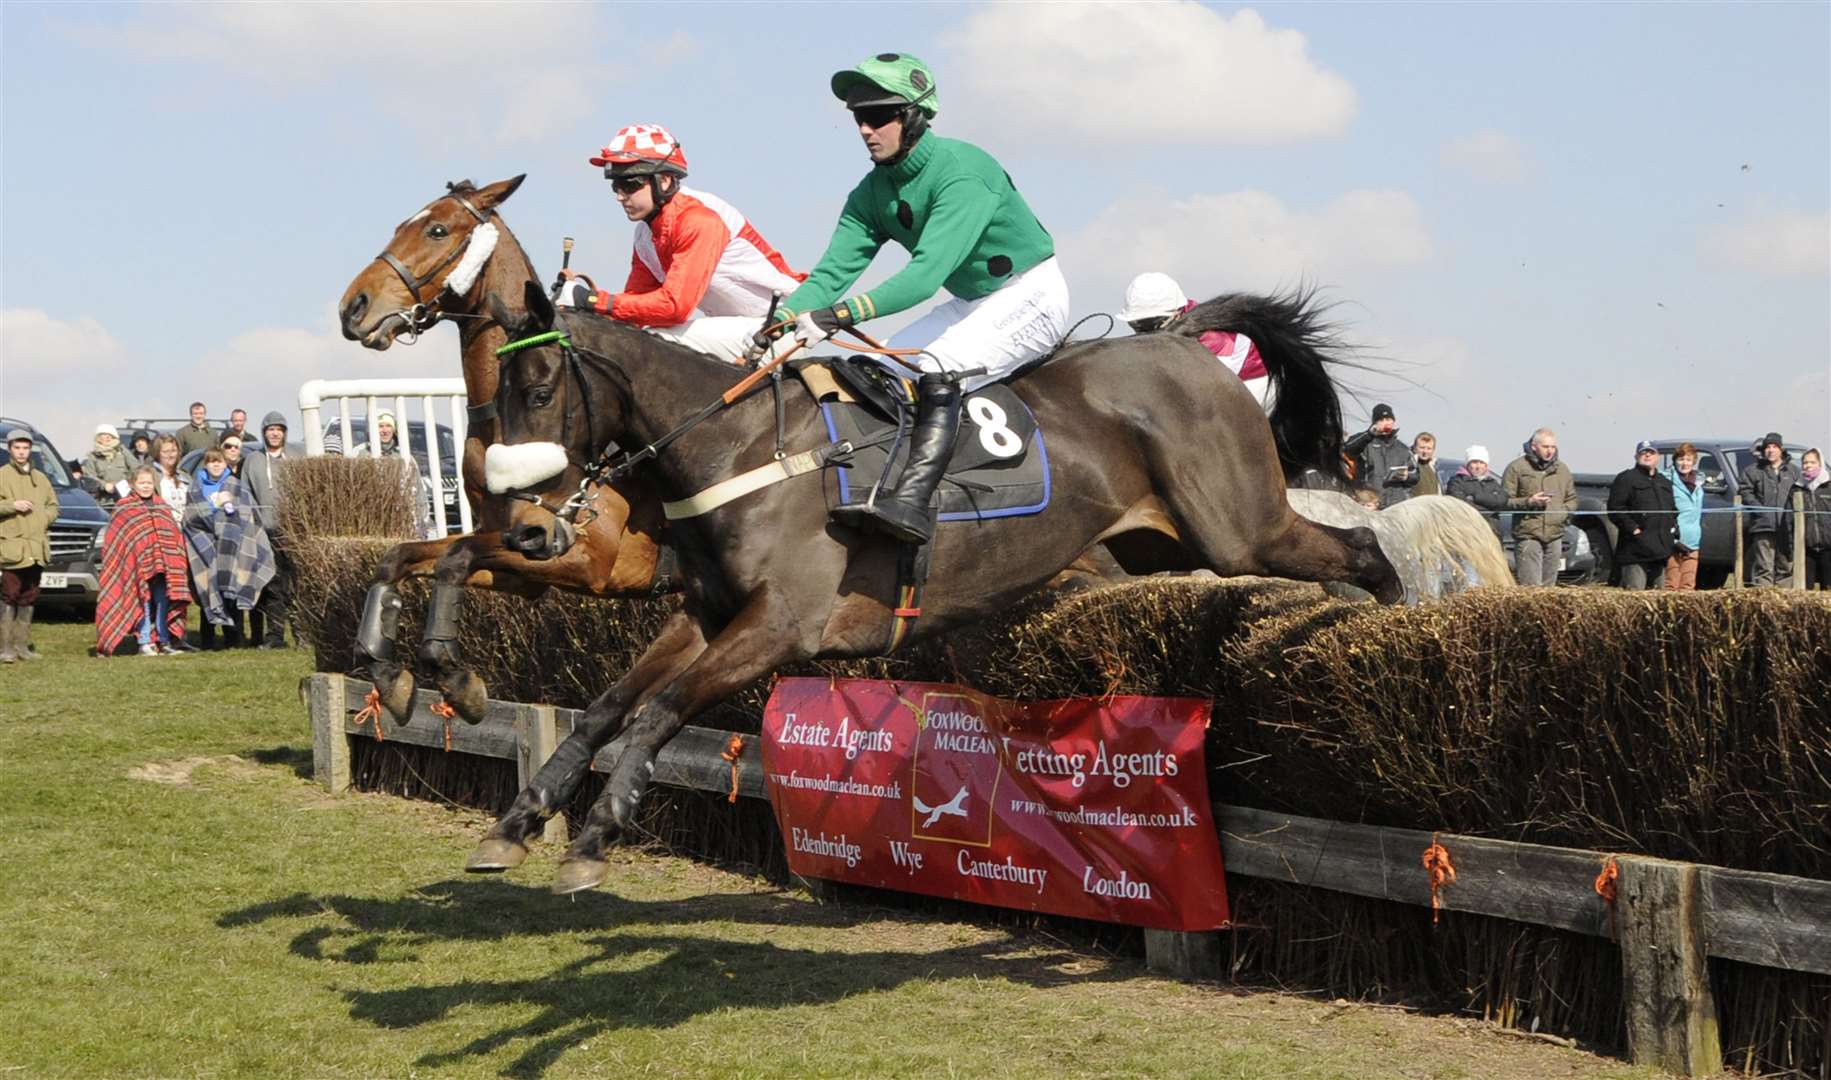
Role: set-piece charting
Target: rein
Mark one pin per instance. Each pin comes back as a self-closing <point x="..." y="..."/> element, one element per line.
<point x="609" y="467"/>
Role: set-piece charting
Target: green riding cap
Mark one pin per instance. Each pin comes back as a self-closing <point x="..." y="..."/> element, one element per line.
<point x="887" y="79"/>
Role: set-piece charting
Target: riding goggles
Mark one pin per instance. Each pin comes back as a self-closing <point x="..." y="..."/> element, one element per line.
<point x="876" y="116"/>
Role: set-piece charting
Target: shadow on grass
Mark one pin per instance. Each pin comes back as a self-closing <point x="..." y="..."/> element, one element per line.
<point x="650" y="980"/>
<point x="296" y="758"/>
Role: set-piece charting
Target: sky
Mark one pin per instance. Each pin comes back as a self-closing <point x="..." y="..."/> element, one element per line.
<point x="1609" y="219"/>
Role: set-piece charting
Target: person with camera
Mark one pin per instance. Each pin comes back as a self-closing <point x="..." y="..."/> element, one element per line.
<point x="1381" y="461"/>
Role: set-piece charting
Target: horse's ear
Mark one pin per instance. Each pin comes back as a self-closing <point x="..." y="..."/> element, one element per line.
<point x="496" y="194"/>
<point x="540" y="306"/>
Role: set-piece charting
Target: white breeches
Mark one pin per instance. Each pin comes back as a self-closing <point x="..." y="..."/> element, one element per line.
<point x="1013" y="326"/>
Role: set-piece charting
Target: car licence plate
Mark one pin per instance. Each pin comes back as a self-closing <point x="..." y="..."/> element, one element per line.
<point x="54" y="581"/>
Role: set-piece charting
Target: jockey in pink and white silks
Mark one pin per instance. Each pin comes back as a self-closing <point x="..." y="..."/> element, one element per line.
<point x="1155" y="301"/>
<point x="968" y="231"/>
<point x="700" y="273"/>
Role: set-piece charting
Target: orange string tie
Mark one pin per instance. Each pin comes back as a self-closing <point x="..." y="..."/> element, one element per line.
<point x="444" y="711"/>
<point x="371" y="710"/>
<point x="732" y="751"/>
<point x="1441" y="872"/>
<point x="1607" y="883"/>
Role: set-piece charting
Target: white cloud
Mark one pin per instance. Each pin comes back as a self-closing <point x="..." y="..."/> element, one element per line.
<point x="35" y="345"/>
<point x="65" y="376"/>
<point x="497" y="65"/>
<point x="1492" y="156"/>
<point x="1135" y="76"/>
<point x="1785" y="243"/>
<point x="1244" y="240"/>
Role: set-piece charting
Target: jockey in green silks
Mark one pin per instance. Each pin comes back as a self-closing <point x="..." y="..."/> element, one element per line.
<point x="954" y="209"/>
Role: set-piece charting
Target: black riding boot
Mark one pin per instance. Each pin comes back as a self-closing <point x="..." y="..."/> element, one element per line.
<point x="902" y="512"/>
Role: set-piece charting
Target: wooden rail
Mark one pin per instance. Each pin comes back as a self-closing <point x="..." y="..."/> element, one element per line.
<point x="1669" y="918"/>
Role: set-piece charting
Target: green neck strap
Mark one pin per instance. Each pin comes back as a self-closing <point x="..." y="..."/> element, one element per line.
<point x="538" y="339"/>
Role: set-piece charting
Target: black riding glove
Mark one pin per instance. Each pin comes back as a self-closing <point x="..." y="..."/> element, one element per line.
<point x="815" y="326"/>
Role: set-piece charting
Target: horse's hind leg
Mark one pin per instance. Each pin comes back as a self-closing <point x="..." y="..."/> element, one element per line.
<point x="678" y="644"/>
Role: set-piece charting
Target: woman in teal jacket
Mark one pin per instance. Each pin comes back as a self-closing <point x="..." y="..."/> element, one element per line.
<point x="1688" y="497"/>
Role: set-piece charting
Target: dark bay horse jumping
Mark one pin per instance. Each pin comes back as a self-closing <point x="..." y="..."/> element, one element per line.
<point x="425" y="275"/>
<point x="1154" y="449"/>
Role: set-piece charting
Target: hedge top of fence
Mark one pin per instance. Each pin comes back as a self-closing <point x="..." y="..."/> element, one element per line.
<point x="1691" y="726"/>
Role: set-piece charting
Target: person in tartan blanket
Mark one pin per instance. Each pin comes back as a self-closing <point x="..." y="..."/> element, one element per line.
<point x="144" y="593"/>
<point x="231" y="557"/>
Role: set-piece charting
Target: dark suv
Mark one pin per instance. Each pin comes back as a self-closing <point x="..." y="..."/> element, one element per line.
<point x="76" y="554"/>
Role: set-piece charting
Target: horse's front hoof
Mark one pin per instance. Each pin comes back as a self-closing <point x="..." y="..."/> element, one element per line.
<point x="468" y="697"/>
<point x="394" y="684"/>
<point x="495" y="855"/>
<point x="577" y="875"/>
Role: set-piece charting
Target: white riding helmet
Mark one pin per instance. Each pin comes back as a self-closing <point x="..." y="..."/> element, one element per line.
<point x="1152" y="296"/>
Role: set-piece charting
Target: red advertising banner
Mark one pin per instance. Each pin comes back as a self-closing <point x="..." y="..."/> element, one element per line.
<point x="1096" y="809"/>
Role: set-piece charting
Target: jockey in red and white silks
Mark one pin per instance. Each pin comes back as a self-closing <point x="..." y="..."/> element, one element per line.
<point x="1154" y="301"/>
<point x="700" y="273"/>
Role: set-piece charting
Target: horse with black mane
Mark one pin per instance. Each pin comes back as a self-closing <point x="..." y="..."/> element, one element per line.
<point x="1155" y="451"/>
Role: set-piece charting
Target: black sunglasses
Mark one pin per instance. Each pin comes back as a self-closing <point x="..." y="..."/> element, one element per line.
<point x="876" y="116"/>
<point x="1149" y="326"/>
<point x="628" y="185"/>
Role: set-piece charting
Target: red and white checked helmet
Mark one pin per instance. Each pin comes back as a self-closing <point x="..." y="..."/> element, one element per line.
<point x="642" y="150"/>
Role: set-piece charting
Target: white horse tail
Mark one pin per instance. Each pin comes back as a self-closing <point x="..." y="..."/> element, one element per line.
<point x="1450" y="535"/>
<point x="1436" y="544"/>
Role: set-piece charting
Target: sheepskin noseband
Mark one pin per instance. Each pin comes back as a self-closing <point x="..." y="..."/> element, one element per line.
<point x="477" y="251"/>
<point x="520" y="466"/>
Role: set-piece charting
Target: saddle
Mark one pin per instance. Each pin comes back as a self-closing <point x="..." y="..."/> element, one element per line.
<point x="999" y="467"/>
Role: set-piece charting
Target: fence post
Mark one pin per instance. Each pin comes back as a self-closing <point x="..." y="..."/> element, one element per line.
<point x="1665" y="973"/>
<point x="539" y="738"/>
<point x="1735" y="572"/>
<point x="1799" y="539"/>
<point x="330" y="745"/>
<point x="1184" y="954"/>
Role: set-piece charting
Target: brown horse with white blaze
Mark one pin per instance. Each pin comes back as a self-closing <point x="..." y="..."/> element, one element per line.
<point x="456" y="260"/>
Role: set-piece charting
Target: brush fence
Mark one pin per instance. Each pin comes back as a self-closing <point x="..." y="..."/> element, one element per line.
<point x="1668" y="917"/>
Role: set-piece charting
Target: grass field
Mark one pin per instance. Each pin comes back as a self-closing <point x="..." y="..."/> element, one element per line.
<point x="181" y="900"/>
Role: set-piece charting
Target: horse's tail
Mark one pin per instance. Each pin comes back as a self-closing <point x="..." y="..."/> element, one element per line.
<point x="1296" y="345"/>
<point x="1451" y="534"/>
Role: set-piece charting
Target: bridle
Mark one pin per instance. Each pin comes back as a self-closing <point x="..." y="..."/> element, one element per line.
<point x="424" y="315"/>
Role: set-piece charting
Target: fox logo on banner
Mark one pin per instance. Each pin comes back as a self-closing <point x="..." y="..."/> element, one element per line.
<point x="953" y="772"/>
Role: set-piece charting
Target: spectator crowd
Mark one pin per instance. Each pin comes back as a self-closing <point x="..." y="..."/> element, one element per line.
<point x="1657" y="511"/>
<point x="211" y="535"/>
<point x="208" y="535"/>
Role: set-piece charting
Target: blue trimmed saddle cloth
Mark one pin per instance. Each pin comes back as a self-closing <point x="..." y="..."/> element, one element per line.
<point x="999" y="468"/>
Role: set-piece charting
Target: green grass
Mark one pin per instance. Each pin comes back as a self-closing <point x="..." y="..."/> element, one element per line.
<point x="223" y="917"/>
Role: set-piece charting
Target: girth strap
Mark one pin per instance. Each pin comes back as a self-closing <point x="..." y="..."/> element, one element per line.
<point x="755" y="480"/>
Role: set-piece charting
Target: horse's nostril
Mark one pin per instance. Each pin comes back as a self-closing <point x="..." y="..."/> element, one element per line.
<point x="529" y="540"/>
<point x="354" y="311"/>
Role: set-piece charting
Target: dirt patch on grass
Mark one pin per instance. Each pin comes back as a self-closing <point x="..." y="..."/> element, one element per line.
<point x="179" y="773"/>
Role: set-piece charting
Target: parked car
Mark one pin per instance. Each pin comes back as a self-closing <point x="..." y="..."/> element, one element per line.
<point x="71" y="579"/>
<point x="416" y="436"/>
<point x="1581" y="562"/>
<point x="1720" y="463"/>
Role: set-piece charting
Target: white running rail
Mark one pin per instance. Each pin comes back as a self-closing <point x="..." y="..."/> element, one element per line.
<point x="394" y="395"/>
